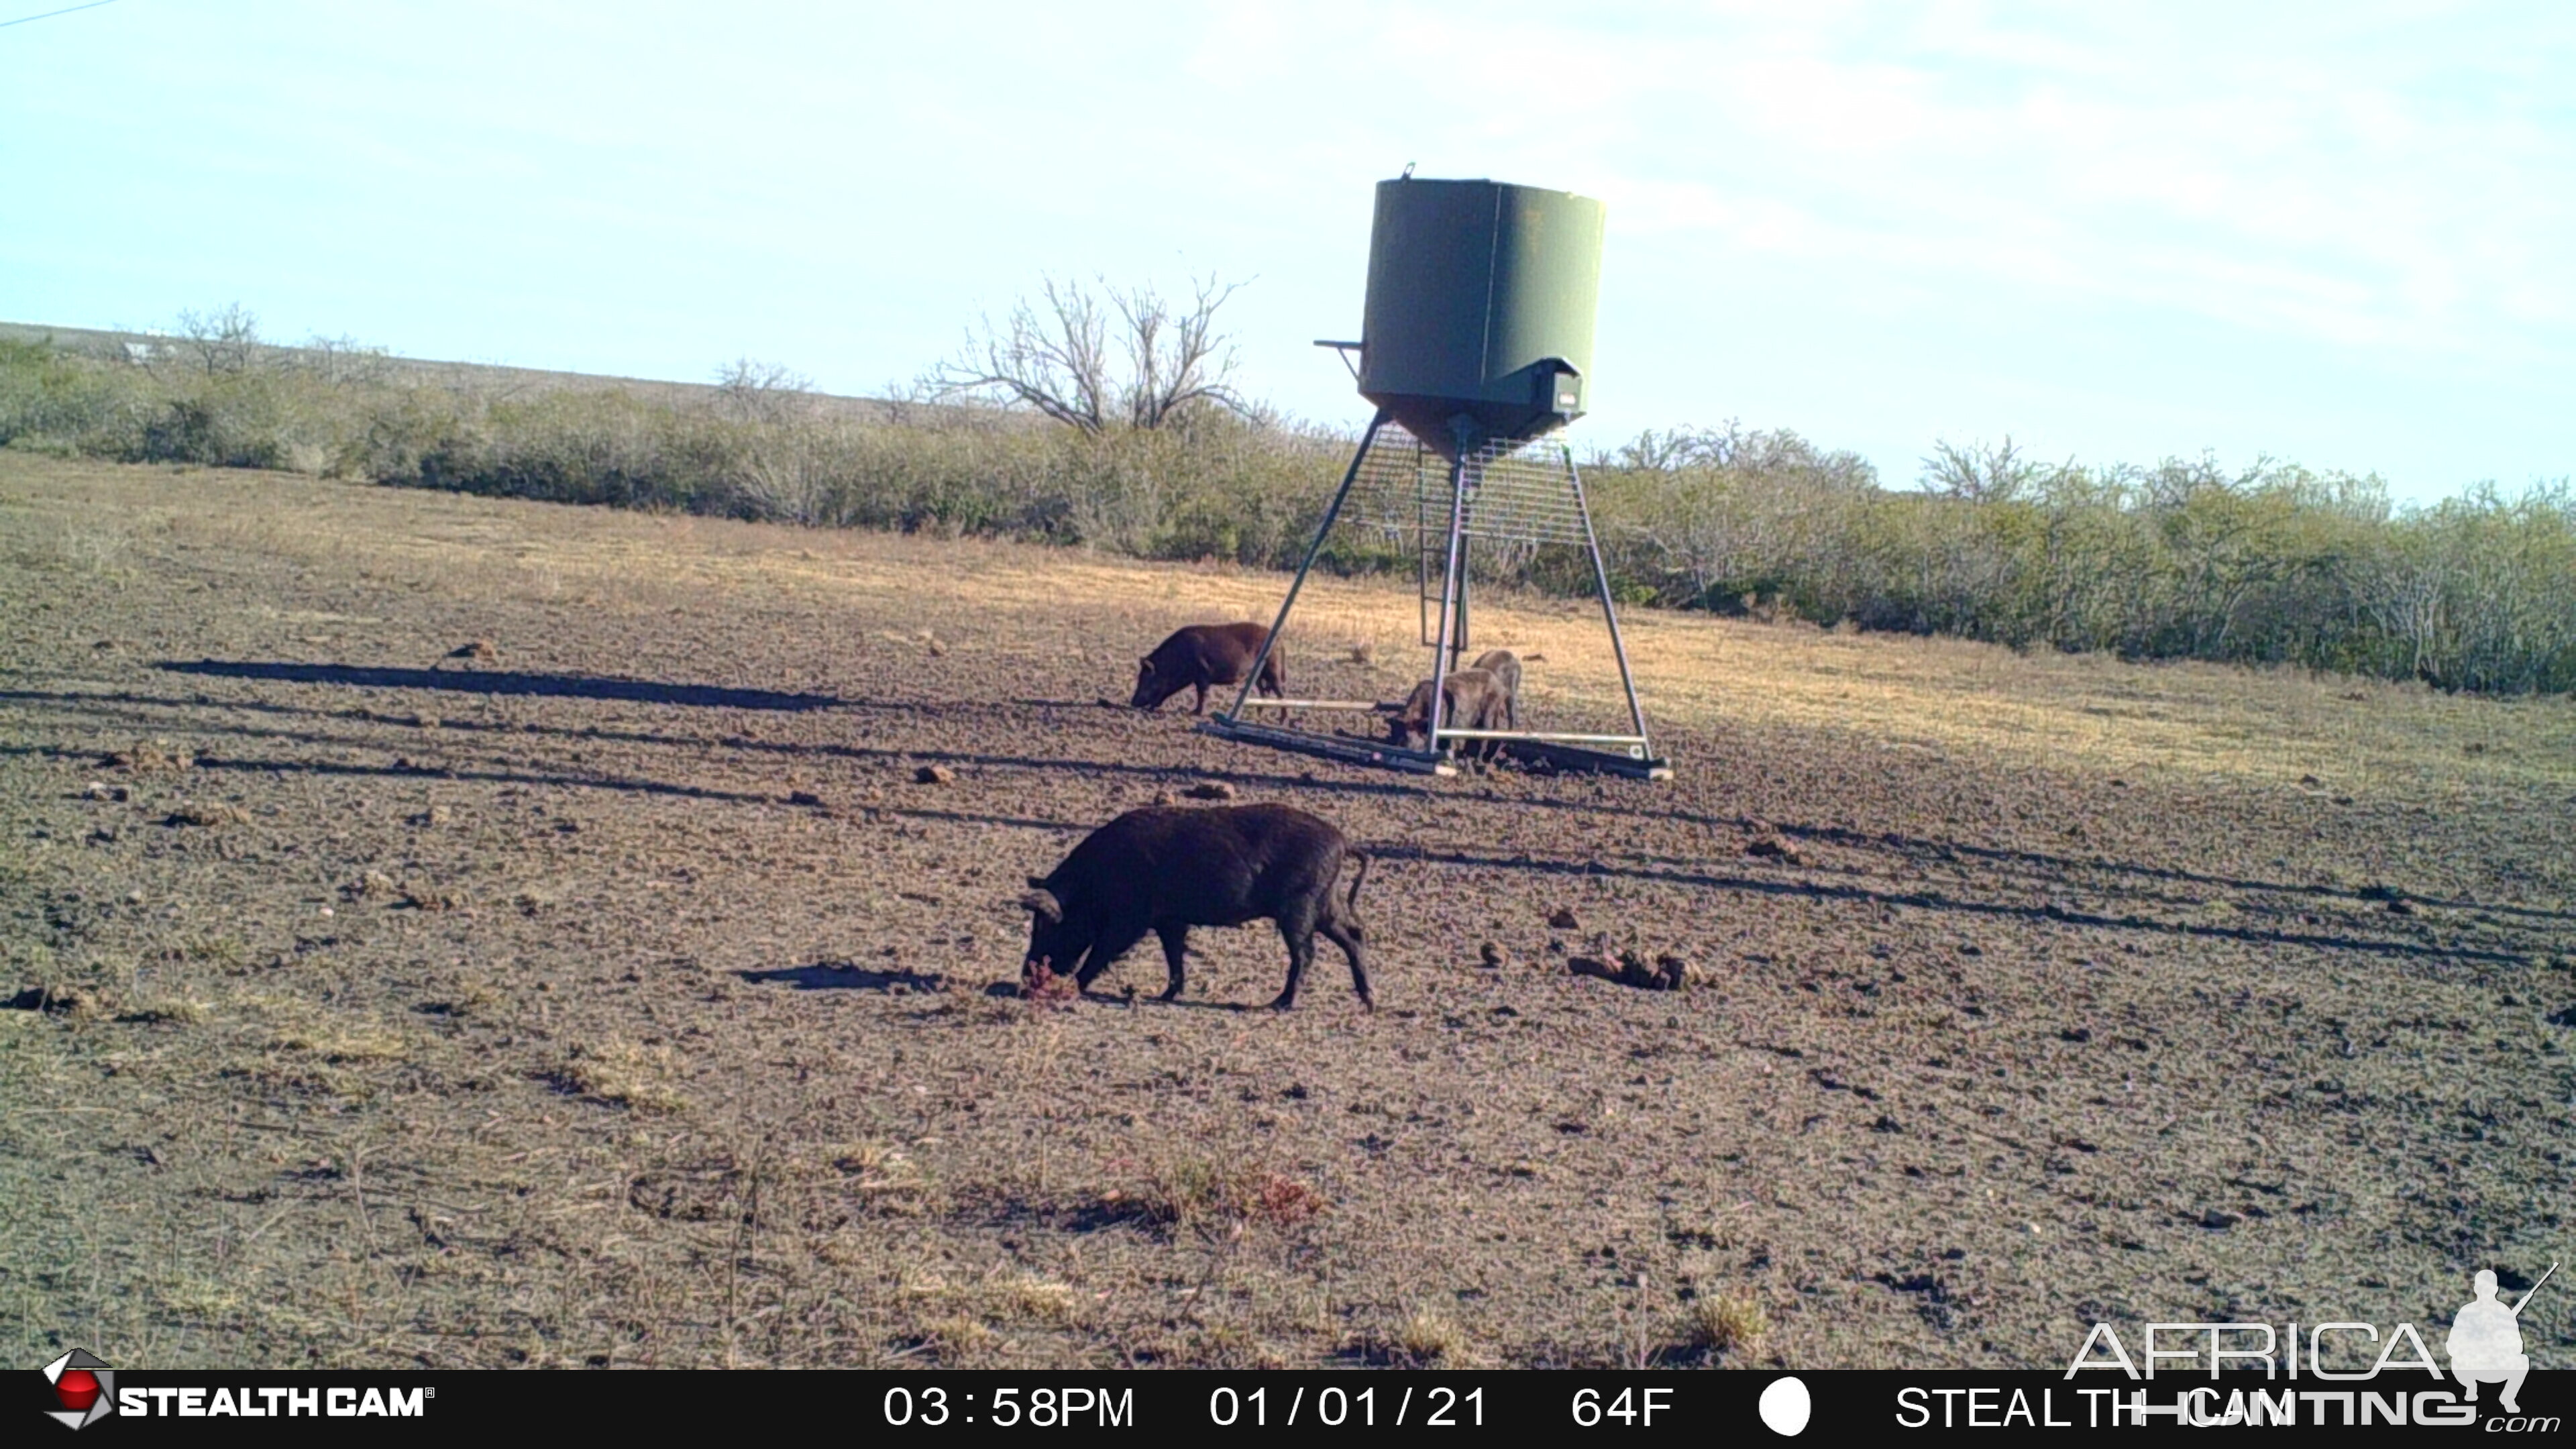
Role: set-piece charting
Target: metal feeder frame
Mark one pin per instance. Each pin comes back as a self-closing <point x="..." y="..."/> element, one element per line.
<point x="1515" y="490"/>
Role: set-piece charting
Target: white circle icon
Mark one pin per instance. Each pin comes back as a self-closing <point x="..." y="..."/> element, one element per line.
<point x="1785" y="1405"/>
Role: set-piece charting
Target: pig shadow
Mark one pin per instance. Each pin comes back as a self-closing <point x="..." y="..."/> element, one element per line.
<point x="1011" y="991"/>
<point x="843" y="976"/>
<point x="508" y="682"/>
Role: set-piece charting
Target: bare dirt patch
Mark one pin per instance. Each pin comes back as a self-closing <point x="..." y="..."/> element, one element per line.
<point x="646" y="1010"/>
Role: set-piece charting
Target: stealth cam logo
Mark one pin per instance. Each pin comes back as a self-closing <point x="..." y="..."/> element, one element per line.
<point x="85" y="1386"/>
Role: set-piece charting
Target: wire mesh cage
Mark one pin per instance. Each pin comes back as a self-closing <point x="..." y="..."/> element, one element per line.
<point x="1518" y="491"/>
<point x="1521" y="496"/>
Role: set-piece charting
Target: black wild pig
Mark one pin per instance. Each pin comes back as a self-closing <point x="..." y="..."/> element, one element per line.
<point x="1165" y="870"/>
<point x="1203" y="655"/>
<point x="1505" y="666"/>
<point x="1474" y="701"/>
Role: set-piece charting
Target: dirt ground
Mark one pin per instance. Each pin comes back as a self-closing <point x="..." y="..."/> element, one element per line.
<point x="618" y="995"/>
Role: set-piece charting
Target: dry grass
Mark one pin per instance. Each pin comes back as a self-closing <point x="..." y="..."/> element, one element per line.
<point x="1725" y="1324"/>
<point x="210" y="814"/>
<point x="341" y="1044"/>
<point x="470" y="997"/>
<point x="977" y="1320"/>
<point x="1037" y="1299"/>
<point x="2178" y="720"/>
<point x="1425" y="1338"/>
<point x="151" y="757"/>
<point x="55" y="545"/>
<point x="624" y="1074"/>
<point x="1908" y="693"/>
<point x="960" y="1338"/>
<point x="884" y="1176"/>
<point x="1201" y="1192"/>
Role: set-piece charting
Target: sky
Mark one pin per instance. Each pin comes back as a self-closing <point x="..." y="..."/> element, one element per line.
<point x="2342" y="234"/>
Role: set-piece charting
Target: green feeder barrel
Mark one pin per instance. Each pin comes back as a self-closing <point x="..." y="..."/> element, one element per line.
<point x="1481" y="295"/>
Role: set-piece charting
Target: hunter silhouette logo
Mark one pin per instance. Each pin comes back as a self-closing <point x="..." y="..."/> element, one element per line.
<point x="2486" y="1341"/>
<point x="85" y="1386"/>
<point x="2485" y="1346"/>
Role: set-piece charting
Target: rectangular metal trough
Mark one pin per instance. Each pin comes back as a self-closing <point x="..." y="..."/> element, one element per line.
<point x="1548" y="753"/>
<point x="1330" y="747"/>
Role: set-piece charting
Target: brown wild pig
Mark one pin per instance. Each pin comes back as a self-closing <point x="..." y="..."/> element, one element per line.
<point x="1203" y="655"/>
<point x="1505" y="666"/>
<point x="1165" y="870"/>
<point x="1474" y="701"/>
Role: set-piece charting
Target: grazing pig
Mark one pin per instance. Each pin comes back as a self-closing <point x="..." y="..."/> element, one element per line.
<point x="1165" y="870"/>
<point x="1475" y="701"/>
<point x="1505" y="666"/>
<point x="1203" y="655"/>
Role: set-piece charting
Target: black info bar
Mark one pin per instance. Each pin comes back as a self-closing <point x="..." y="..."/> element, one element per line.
<point x="933" y="1406"/>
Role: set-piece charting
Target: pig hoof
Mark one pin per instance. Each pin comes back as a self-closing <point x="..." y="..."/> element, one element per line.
<point x="1283" y="1003"/>
<point x="1170" y="993"/>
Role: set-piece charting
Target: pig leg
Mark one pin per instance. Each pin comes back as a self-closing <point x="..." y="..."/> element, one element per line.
<point x="1076" y="963"/>
<point x="1176" y="940"/>
<point x="1297" y="928"/>
<point x="1202" y="705"/>
<point x="1348" y="938"/>
<point x="1113" y="942"/>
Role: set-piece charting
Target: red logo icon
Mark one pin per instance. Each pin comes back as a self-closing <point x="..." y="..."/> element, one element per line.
<point x="78" y="1389"/>
<point x="85" y="1386"/>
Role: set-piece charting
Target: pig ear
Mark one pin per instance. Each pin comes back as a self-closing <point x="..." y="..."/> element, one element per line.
<point x="1044" y="904"/>
<point x="1145" y="662"/>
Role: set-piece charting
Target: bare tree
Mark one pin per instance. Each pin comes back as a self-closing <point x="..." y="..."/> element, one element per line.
<point x="225" y="341"/>
<point x="1675" y="448"/>
<point x="1176" y="357"/>
<point x="343" y="359"/>
<point x="1982" y="472"/>
<point x="1058" y="356"/>
<point x="761" y="392"/>
<point x="1733" y="447"/>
